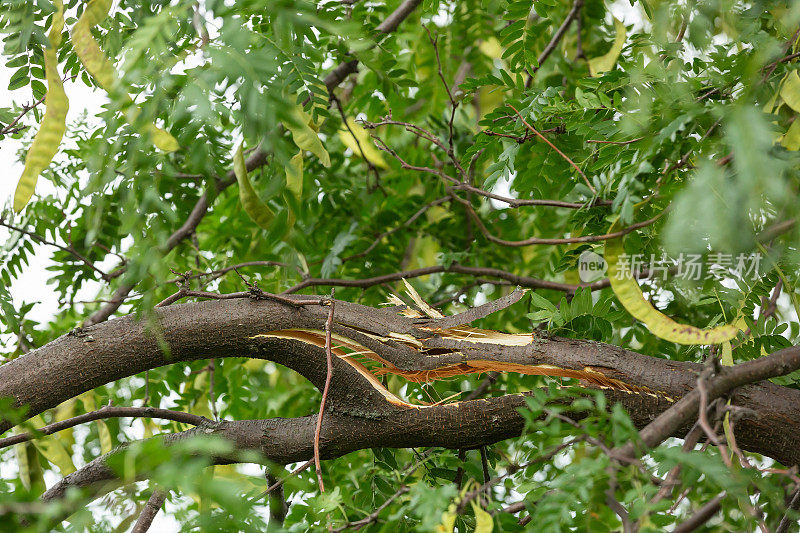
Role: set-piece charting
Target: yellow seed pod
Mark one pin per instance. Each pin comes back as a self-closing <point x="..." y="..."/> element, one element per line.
<point x="630" y="295"/>
<point x="257" y="210"/>
<point x="54" y="123"/>
<point x="102" y="70"/>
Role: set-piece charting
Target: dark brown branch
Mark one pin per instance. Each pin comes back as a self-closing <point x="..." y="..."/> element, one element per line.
<point x="278" y="506"/>
<point x="150" y="511"/>
<point x="779" y="363"/>
<point x="360" y="414"/>
<point x="555" y="241"/>
<point x="702" y="515"/>
<point x="522" y="281"/>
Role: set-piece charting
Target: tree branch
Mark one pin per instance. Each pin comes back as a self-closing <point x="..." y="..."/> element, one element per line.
<point x="363" y="413"/>
<point x="103" y="413"/>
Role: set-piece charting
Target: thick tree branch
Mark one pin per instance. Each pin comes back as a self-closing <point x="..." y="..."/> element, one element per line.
<point x="727" y="379"/>
<point x="364" y="414"/>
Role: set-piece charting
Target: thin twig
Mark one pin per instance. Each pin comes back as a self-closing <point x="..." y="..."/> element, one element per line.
<point x="25" y="108"/>
<point x="453" y="106"/>
<point x="559" y="240"/>
<point x="281" y="481"/>
<point x="405" y="224"/>
<point x="792" y="507"/>
<point x="702" y="515"/>
<point x="553" y="146"/>
<point x="373" y="516"/>
<point x="106" y="412"/>
<point x="69" y="249"/>
<point x="702" y="416"/>
<point x="370" y="166"/>
<point x="557" y="36"/>
<point x="328" y="376"/>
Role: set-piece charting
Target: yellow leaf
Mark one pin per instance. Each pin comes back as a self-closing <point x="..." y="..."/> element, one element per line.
<point x="30" y="472"/>
<point x="372" y="154"/>
<point x="790" y="91"/>
<point x="294" y="175"/>
<point x="491" y="47"/>
<point x="630" y="295"/>
<point x="727" y="354"/>
<point x="106" y="443"/>
<point x="162" y="139"/>
<point x="21" y="451"/>
<point x="606" y="62"/>
<point x="102" y="70"/>
<point x="791" y="139"/>
<point x="53" y="449"/>
<point x="305" y="137"/>
<point x="257" y="210"/>
<point x="62" y="412"/>
<point x="483" y="520"/>
<point x="48" y="138"/>
<point x="448" y="522"/>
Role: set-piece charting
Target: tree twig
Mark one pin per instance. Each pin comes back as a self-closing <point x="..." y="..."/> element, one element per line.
<point x="702" y="515"/>
<point x="106" y="412"/>
<point x="553" y="146"/>
<point x="328" y="376"/>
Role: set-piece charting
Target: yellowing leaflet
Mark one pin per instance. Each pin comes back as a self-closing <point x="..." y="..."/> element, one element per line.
<point x="54" y="123"/>
<point x="630" y="295"/>
<point x="98" y="65"/>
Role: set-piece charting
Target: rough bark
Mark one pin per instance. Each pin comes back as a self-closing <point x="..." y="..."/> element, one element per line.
<point x="360" y="414"/>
